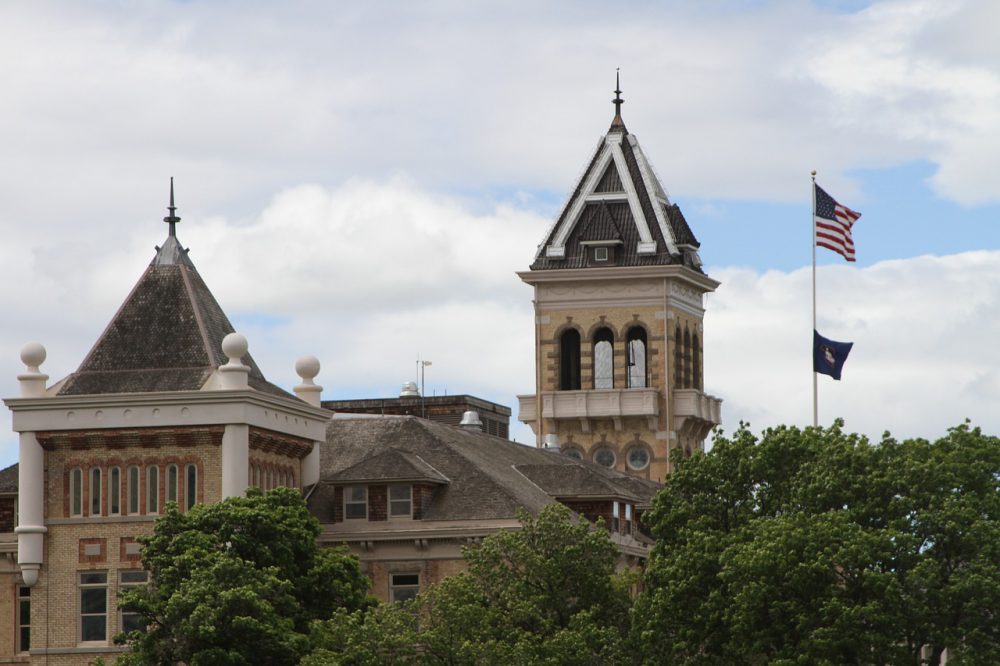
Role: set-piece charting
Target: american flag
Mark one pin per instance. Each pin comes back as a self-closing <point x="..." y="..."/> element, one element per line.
<point x="833" y="224"/>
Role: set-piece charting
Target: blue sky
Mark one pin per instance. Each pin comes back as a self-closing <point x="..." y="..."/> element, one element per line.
<point x="362" y="184"/>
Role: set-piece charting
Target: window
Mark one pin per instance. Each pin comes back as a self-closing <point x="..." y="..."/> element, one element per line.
<point x="628" y="519"/>
<point x="604" y="456"/>
<point x="403" y="587"/>
<point x="636" y="349"/>
<point x="678" y="359"/>
<point x="575" y="454"/>
<point x="637" y="457"/>
<point x="152" y="489"/>
<point x="600" y="254"/>
<point x="171" y="483"/>
<point x="687" y="358"/>
<point x="93" y="606"/>
<point x="114" y="491"/>
<point x="191" y="494"/>
<point x="128" y="579"/>
<point x="23" y="619"/>
<point x="356" y="503"/>
<point x="604" y="363"/>
<point x="615" y="517"/>
<point x="133" y="489"/>
<point x="400" y="500"/>
<point x="569" y="360"/>
<point x="95" y="491"/>
<point x="76" y="492"/>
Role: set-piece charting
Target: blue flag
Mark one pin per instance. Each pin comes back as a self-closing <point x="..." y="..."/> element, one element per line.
<point x="829" y="355"/>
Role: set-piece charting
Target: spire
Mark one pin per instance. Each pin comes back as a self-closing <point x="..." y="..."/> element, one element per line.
<point x="172" y="219"/>
<point x="172" y="252"/>
<point x="617" y="101"/>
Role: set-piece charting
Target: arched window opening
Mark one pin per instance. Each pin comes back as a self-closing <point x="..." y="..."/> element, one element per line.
<point x="604" y="359"/>
<point x="569" y="360"/>
<point x="687" y="358"/>
<point x="678" y="359"/>
<point x="133" y="489"/>
<point x="95" y="491"/>
<point x="76" y="492"/>
<point x="191" y="491"/>
<point x="114" y="491"/>
<point x="171" y="483"/>
<point x="636" y="348"/>
<point x="153" y="489"/>
<point x="696" y="362"/>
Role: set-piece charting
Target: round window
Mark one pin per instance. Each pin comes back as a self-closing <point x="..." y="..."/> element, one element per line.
<point x="638" y="457"/>
<point x="605" y="456"/>
<point x="575" y="454"/>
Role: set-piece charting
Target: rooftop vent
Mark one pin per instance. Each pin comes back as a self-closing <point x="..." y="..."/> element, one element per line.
<point x="471" y="422"/>
<point x="409" y="390"/>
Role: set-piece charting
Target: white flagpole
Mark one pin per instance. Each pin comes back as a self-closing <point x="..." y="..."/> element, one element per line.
<point x="812" y="240"/>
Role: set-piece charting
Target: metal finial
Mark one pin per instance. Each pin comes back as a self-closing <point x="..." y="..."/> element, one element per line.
<point x="617" y="101"/>
<point x="172" y="219"/>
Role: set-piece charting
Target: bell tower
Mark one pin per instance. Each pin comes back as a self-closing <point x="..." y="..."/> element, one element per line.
<point x="618" y="295"/>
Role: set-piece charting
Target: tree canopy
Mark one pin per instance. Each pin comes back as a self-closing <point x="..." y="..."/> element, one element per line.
<point x="238" y="582"/>
<point x="545" y="594"/>
<point x="816" y="546"/>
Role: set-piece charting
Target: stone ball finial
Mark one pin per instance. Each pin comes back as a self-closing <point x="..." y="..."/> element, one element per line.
<point x="33" y="355"/>
<point x="234" y="346"/>
<point x="307" y="367"/>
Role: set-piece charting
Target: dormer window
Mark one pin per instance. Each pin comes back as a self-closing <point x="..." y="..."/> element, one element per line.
<point x="356" y="503"/>
<point x="400" y="500"/>
<point x="601" y="254"/>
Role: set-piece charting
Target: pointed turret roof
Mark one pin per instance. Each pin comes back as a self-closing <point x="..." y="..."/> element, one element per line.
<point x="619" y="198"/>
<point x="166" y="336"/>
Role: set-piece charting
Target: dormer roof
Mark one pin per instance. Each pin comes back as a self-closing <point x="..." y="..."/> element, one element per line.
<point x="619" y="198"/>
<point x="166" y="336"/>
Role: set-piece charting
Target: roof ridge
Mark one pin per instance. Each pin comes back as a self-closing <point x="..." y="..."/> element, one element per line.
<point x="199" y="319"/>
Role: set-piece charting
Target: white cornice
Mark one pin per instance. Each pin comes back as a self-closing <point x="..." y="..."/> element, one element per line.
<point x="169" y="409"/>
<point x="670" y="271"/>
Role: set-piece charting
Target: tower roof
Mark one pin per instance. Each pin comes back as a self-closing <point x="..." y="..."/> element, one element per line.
<point x="619" y="196"/>
<point x="166" y="336"/>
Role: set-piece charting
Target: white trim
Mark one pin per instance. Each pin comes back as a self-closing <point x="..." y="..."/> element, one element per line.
<point x="646" y="171"/>
<point x="633" y="200"/>
<point x="598" y="197"/>
<point x="577" y="206"/>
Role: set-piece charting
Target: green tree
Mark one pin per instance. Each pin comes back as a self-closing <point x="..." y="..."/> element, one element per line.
<point x="816" y="546"/>
<point x="238" y="582"/>
<point x="545" y="594"/>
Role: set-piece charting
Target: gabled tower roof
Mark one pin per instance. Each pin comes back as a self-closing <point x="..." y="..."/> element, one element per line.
<point x="619" y="196"/>
<point x="166" y="336"/>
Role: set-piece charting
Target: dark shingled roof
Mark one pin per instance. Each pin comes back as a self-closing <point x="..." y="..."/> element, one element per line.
<point x="8" y="479"/>
<point x="166" y="336"/>
<point x="392" y="465"/>
<point x="595" y="212"/>
<point x="485" y="477"/>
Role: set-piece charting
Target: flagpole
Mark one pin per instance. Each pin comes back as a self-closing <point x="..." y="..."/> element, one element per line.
<point x="812" y="226"/>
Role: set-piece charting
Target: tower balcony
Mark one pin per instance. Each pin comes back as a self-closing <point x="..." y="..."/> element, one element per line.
<point x="696" y="413"/>
<point x="588" y="405"/>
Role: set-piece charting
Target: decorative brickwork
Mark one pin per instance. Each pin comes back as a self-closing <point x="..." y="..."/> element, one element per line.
<point x="288" y="446"/>
<point x="128" y="550"/>
<point x="93" y="550"/>
<point x="120" y="438"/>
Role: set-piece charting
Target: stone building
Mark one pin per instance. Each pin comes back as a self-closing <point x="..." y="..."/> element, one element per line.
<point x="618" y="295"/>
<point x="169" y="407"/>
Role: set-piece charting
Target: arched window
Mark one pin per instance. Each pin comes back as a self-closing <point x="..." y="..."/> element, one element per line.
<point x="695" y="362"/>
<point x="171" y="483"/>
<point x="687" y="358"/>
<point x="569" y="360"/>
<point x="114" y="491"/>
<point x="636" y="347"/>
<point x="152" y="489"/>
<point x="604" y="359"/>
<point x="76" y="492"/>
<point x="95" y="491"/>
<point x="133" y="489"/>
<point x="191" y="492"/>
<point x="678" y="359"/>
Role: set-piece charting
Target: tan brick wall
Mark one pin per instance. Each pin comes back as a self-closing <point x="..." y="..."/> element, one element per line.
<point x="431" y="571"/>
<point x="274" y="463"/>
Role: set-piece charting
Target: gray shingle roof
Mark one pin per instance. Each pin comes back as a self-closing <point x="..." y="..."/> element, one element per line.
<point x="393" y="464"/>
<point x="593" y="220"/>
<point x="166" y="336"/>
<point x="485" y="474"/>
<point x="8" y="479"/>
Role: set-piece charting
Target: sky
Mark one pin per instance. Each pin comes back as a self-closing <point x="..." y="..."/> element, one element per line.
<point x="362" y="181"/>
